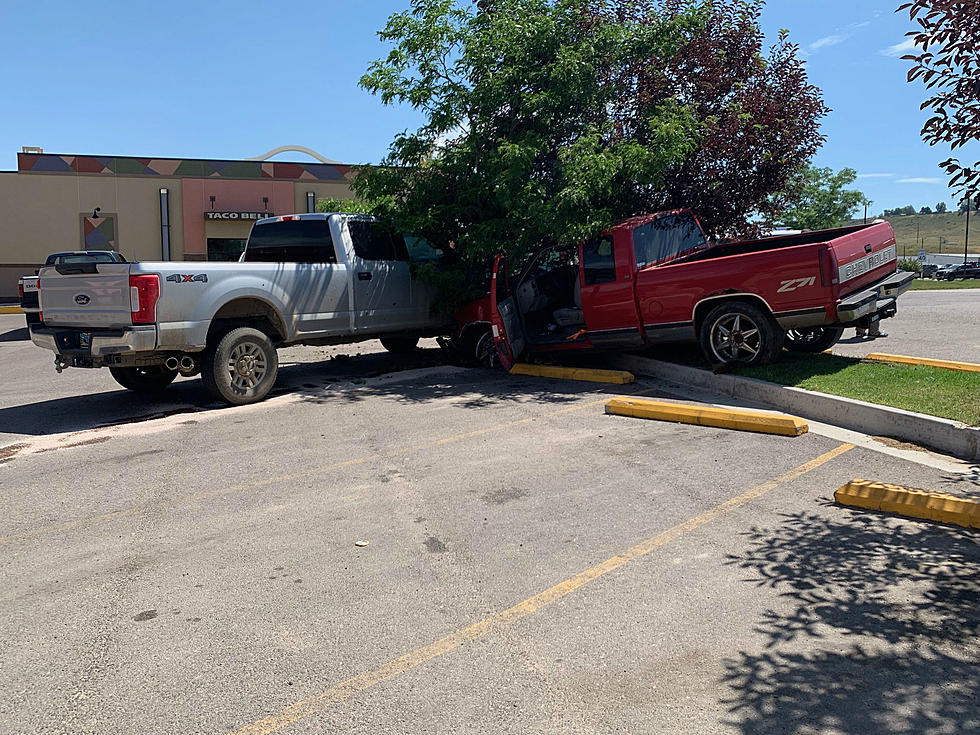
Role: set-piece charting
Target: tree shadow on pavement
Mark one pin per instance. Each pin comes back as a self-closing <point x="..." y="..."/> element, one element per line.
<point x="907" y="596"/>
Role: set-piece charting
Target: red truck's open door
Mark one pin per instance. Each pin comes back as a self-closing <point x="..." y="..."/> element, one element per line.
<point x="508" y="335"/>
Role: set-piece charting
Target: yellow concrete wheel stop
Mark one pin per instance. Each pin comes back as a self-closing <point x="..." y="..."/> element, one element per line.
<point x="723" y="418"/>
<point x="565" y="373"/>
<point x="911" y="502"/>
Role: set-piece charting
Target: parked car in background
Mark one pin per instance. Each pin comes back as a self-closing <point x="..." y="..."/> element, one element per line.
<point x="965" y="271"/>
<point x="656" y="278"/>
<point x="928" y="270"/>
<point x="27" y="285"/>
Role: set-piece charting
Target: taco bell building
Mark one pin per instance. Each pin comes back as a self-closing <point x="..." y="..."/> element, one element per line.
<point x="149" y="208"/>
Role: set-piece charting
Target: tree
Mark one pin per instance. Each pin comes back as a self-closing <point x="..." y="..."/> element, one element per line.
<point x="925" y="210"/>
<point x="547" y="120"/>
<point x="820" y="199"/>
<point x="941" y="208"/>
<point x="949" y="64"/>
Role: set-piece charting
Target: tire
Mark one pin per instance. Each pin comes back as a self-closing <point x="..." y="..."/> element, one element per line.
<point x="758" y="339"/>
<point x="151" y="379"/>
<point x="241" y="367"/>
<point x="484" y="351"/>
<point x="813" y="339"/>
<point x="400" y="345"/>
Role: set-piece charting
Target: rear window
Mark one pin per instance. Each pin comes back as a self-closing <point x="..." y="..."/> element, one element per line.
<point x="83" y="258"/>
<point x="665" y="238"/>
<point x="292" y="241"/>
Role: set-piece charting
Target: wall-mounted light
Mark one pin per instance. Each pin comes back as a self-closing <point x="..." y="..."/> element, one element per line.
<point x="265" y="204"/>
<point x="311" y="201"/>
<point x="212" y="201"/>
<point x="95" y="212"/>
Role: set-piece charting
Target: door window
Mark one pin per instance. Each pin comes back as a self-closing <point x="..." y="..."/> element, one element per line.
<point x="421" y="250"/>
<point x="598" y="260"/>
<point x="374" y="241"/>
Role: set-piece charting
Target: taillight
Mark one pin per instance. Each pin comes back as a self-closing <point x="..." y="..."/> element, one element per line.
<point x="20" y="291"/>
<point x="829" y="271"/>
<point x="144" y="291"/>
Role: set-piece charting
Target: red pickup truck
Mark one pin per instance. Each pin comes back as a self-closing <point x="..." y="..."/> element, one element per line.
<point x="656" y="278"/>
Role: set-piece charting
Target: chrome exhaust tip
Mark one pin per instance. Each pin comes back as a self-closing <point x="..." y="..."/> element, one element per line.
<point x="171" y="363"/>
<point x="187" y="365"/>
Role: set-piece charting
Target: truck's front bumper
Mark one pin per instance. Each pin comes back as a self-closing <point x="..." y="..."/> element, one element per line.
<point x="877" y="300"/>
<point x="83" y="347"/>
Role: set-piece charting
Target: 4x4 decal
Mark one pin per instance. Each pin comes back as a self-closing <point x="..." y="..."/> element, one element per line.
<point x="188" y="278"/>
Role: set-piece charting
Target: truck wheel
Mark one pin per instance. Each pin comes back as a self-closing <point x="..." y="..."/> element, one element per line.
<point x="813" y="339"/>
<point x="148" y="379"/>
<point x="241" y="368"/>
<point x="485" y="351"/>
<point x="399" y="345"/>
<point x="742" y="333"/>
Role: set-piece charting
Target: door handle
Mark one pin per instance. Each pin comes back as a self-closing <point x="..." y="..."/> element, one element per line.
<point x="364" y="275"/>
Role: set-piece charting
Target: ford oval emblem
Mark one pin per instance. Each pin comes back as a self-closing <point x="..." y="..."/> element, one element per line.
<point x="82" y="299"/>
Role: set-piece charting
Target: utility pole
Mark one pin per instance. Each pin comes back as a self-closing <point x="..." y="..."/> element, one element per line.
<point x="966" y="243"/>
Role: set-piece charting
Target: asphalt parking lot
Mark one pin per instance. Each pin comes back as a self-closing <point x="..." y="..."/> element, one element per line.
<point x="943" y="325"/>
<point x="532" y="565"/>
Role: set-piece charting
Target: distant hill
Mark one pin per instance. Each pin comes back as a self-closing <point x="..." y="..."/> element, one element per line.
<point x="950" y="226"/>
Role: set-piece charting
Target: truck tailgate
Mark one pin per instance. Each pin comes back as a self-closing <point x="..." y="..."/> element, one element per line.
<point x="86" y="299"/>
<point x="865" y="256"/>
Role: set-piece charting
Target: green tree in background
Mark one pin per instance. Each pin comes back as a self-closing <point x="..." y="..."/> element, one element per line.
<point x="820" y="199"/>
<point x="547" y="120"/>
<point x="941" y="208"/>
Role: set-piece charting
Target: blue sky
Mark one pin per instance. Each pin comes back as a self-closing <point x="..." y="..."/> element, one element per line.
<point x="232" y="80"/>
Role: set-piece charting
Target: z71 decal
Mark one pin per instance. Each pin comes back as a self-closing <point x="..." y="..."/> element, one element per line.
<point x="795" y="283"/>
<point x="188" y="278"/>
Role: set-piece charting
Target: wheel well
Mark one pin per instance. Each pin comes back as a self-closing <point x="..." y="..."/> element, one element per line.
<point x="706" y="305"/>
<point x="249" y="312"/>
<point x="471" y="329"/>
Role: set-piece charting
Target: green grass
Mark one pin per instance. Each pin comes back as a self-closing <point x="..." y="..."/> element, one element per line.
<point x="935" y="391"/>
<point x="932" y="227"/>
<point x="927" y="284"/>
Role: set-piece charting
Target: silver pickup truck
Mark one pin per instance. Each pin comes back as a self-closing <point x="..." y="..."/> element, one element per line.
<point x="310" y="279"/>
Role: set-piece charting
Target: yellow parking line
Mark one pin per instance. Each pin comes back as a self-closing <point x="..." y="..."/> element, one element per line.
<point x="967" y="367"/>
<point x="345" y="689"/>
<point x="11" y="310"/>
<point x="724" y="418"/>
<point x="911" y="502"/>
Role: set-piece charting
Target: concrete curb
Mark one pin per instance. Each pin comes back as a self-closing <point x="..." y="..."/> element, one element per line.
<point x="944" y="435"/>
<point x="723" y="418"/>
<point x="911" y="502"/>
<point x="553" y="371"/>
<point x="11" y="310"/>
<point x="966" y="367"/>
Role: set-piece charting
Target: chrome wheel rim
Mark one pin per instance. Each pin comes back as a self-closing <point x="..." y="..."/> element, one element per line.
<point x="247" y="366"/>
<point x="486" y="351"/>
<point x="735" y="337"/>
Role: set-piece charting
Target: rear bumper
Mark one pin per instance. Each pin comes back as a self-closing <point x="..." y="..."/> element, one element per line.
<point x="878" y="299"/>
<point x="71" y="342"/>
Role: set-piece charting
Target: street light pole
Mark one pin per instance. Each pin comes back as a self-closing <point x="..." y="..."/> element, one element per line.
<point x="966" y="243"/>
